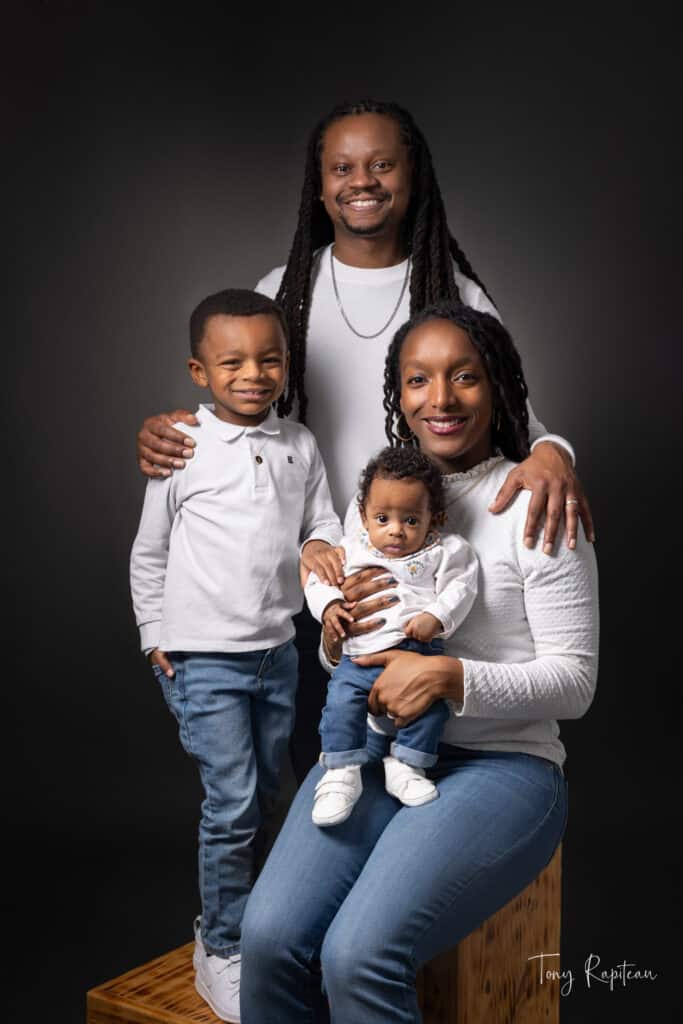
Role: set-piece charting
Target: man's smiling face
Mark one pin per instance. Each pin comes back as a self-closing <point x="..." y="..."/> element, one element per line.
<point x="365" y="173"/>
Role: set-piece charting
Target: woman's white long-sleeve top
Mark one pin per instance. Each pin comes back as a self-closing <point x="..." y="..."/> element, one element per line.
<point x="529" y="644"/>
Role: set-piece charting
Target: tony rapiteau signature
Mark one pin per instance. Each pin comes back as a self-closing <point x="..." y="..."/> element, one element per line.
<point x="618" y="976"/>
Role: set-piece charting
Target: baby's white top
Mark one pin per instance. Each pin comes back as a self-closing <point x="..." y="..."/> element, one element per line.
<point x="440" y="578"/>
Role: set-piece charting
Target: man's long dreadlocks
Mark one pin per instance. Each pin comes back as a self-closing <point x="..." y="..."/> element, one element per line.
<point x="428" y="240"/>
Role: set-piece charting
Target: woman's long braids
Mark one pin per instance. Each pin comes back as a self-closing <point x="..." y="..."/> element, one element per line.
<point x="427" y="238"/>
<point x="510" y="423"/>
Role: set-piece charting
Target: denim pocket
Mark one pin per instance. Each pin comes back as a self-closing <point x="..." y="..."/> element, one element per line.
<point x="168" y="685"/>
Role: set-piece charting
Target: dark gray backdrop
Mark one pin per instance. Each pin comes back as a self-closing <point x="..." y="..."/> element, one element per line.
<point x="156" y="157"/>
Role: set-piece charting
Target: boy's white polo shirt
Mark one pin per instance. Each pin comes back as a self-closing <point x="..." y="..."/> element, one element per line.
<point x="215" y="563"/>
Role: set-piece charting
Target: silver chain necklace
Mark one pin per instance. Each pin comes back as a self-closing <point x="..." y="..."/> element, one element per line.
<point x="348" y="323"/>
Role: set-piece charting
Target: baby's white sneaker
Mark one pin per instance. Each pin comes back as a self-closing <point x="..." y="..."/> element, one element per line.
<point x="336" y="794"/>
<point x="408" y="784"/>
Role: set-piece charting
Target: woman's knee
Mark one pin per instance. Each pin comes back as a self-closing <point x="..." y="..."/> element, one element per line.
<point x="261" y="939"/>
<point x="271" y="935"/>
<point x="353" y="960"/>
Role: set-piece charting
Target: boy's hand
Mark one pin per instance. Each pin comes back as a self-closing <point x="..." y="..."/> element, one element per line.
<point x="162" y="448"/>
<point x="158" y="657"/>
<point x="423" y="627"/>
<point x="325" y="561"/>
<point x="335" y="619"/>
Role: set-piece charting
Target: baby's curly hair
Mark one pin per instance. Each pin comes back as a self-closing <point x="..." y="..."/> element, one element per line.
<point x="405" y="464"/>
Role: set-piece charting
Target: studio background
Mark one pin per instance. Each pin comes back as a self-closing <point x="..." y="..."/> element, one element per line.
<point x="155" y="157"/>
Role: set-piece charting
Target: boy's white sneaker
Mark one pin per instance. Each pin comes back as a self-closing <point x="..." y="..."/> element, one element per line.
<point x="408" y="784"/>
<point x="217" y="980"/>
<point x="198" y="944"/>
<point x="336" y="794"/>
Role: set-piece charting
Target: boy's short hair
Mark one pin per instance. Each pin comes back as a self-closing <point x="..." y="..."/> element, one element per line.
<point x="232" y="302"/>
<point x="405" y="464"/>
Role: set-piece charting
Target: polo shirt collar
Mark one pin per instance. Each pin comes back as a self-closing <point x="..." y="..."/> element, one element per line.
<point x="232" y="431"/>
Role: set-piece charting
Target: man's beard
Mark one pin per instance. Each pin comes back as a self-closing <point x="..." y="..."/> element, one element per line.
<point x="367" y="232"/>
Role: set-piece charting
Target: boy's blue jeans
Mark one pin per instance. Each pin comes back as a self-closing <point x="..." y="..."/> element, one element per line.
<point x="343" y="726"/>
<point x="235" y="713"/>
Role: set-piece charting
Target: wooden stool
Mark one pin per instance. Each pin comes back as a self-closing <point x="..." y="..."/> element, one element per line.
<point x="487" y="979"/>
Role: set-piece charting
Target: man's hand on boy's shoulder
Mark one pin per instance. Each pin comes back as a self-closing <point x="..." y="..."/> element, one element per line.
<point x="160" y="447"/>
<point x="158" y="657"/>
<point x="325" y="561"/>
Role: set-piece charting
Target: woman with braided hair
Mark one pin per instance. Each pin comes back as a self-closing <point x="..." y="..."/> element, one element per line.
<point x="366" y="902"/>
<point x="371" y="248"/>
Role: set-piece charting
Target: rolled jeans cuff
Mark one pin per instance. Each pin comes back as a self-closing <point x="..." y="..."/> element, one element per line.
<point x="415" y="758"/>
<point x="224" y="952"/>
<point x="343" y="758"/>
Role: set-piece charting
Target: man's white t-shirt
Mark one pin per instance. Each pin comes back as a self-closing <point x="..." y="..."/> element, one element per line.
<point x="345" y="373"/>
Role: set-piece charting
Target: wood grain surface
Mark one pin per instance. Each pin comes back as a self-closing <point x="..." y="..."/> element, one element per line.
<point x="488" y="978"/>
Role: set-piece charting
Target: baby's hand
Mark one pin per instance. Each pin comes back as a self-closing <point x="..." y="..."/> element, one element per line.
<point x="158" y="657"/>
<point x="335" y="618"/>
<point x="423" y="627"/>
<point x="325" y="561"/>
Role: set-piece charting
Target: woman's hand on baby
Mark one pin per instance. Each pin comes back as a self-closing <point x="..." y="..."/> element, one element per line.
<point x="161" y="448"/>
<point x="555" y="492"/>
<point x="424" y="627"/>
<point x="410" y="683"/>
<point x="158" y="657"/>
<point x="325" y="561"/>
<point x="336" y="619"/>
<point x="360" y="586"/>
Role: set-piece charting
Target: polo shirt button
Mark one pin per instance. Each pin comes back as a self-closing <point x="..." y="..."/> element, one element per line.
<point x="259" y="459"/>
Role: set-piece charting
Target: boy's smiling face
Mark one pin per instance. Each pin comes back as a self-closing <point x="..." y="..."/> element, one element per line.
<point x="397" y="516"/>
<point x="243" y="362"/>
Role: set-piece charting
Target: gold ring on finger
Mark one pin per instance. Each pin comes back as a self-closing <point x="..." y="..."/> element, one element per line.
<point x="572" y="501"/>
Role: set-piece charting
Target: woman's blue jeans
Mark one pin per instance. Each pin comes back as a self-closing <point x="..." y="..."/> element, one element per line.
<point x="369" y="901"/>
<point x="235" y="713"/>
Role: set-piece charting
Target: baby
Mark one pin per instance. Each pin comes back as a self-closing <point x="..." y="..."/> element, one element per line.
<point x="401" y="502"/>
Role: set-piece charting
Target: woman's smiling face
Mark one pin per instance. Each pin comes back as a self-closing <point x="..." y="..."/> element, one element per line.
<point x="446" y="395"/>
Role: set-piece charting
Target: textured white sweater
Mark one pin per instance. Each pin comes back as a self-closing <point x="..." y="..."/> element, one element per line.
<point x="344" y="373"/>
<point x="529" y="645"/>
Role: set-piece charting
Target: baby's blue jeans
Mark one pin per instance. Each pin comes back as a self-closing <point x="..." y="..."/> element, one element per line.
<point x="235" y="713"/>
<point x="343" y="726"/>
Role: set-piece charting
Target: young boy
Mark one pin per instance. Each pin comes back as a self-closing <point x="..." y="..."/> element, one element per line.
<point x="401" y="502"/>
<point x="215" y="582"/>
